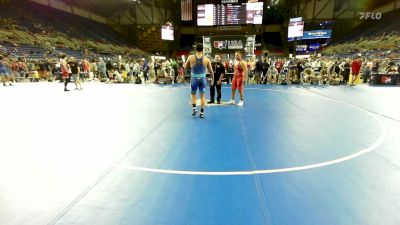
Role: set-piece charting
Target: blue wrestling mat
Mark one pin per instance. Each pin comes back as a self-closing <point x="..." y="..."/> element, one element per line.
<point x="290" y="156"/>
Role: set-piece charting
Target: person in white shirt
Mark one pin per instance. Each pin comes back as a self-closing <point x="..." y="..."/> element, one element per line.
<point x="136" y="68"/>
<point x="367" y="71"/>
<point x="151" y="69"/>
<point x="127" y="67"/>
<point x="117" y="77"/>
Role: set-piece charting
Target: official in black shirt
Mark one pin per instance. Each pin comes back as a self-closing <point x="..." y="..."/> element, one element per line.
<point x="219" y="72"/>
<point x="259" y="70"/>
<point x="266" y="66"/>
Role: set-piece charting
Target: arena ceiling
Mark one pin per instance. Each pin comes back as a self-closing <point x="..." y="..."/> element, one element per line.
<point x="146" y="11"/>
<point x="108" y="8"/>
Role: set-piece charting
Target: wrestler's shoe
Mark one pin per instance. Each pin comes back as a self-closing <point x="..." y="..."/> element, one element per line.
<point x="231" y="102"/>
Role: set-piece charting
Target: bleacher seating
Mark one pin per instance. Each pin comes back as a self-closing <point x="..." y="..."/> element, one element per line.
<point x="377" y="35"/>
<point x="36" y="29"/>
<point x="77" y="27"/>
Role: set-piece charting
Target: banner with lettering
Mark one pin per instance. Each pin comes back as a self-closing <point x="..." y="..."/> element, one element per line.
<point x="227" y="44"/>
<point x="317" y="34"/>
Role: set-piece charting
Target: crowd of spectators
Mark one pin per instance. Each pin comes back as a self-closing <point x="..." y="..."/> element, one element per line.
<point x="378" y="55"/>
<point x="316" y="70"/>
<point x="331" y="70"/>
<point x="110" y="70"/>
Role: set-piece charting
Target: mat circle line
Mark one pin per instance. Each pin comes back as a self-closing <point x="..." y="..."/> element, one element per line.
<point x="278" y="170"/>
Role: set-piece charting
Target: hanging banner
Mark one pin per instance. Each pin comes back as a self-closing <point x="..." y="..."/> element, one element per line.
<point x="317" y="34"/>
<point x="227" y="44"/>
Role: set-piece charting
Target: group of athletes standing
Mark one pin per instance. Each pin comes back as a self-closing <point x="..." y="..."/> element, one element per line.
<point x="72" y="69"/>
<point x="199" y="63"/>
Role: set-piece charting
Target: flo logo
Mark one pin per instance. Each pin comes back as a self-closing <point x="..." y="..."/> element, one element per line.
<point x="220" y="44"/>
<point x="370" y="15"/>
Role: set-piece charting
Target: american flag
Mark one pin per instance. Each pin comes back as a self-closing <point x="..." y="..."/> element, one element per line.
<point x="186" y="8"/>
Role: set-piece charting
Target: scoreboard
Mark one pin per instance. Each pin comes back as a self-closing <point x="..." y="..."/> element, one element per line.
<point x="230" y="14"/>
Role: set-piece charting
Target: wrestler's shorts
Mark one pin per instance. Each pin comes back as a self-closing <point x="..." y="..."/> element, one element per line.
<point x="237" y="83"/>
<point x="198" y="83"/>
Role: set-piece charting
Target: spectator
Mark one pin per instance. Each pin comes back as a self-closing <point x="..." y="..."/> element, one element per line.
<point x="259" y="70"/>
<point x="355" y="69"/>
<point x="266" y="65"/>
<point x="345" y="68"/>
<point x="367" y="71"/>
<point x="145" y="70"/>
<point x="5" y="68"/>
<point x="102" y="69"/>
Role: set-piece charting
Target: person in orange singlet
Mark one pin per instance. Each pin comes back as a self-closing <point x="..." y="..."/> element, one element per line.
<point x="239" y="77"/>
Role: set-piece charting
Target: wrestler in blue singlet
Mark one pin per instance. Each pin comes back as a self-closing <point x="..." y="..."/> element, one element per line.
<point x="198" y="76"/>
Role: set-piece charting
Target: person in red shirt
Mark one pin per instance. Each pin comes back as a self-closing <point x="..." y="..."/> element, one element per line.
<point x="86" y="68"/>
<point x="279" y="66"/>
<point x="239" y="77"/>
<point x="64" y="71"/>
<point x="355" y="69"/>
